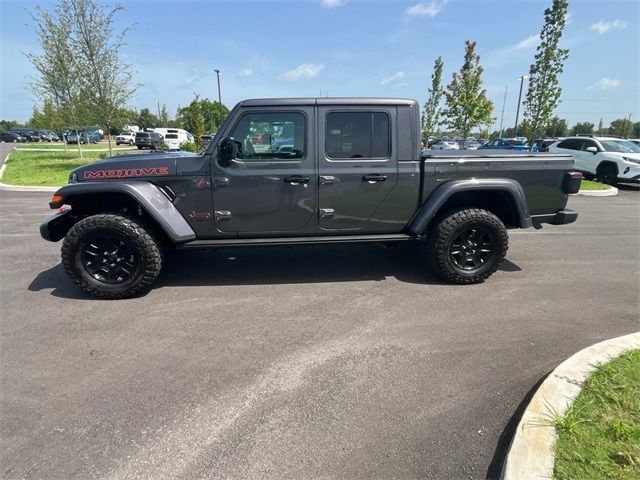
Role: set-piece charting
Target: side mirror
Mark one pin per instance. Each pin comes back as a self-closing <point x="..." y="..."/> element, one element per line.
<point x="593" y="150"/>
<point x="228" y="149"/>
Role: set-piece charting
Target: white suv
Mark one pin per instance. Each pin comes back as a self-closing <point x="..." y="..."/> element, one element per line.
<point x="610" y="159"/>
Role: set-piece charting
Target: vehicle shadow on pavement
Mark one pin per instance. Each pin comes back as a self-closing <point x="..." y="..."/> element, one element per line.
<point x="276" y="265"/>
<point x="500" y="453"/>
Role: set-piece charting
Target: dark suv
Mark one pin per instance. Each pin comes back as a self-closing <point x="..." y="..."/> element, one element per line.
<point x="150" y="140"/>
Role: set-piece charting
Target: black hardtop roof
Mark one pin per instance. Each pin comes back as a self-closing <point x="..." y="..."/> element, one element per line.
<point x="261" y="102"/>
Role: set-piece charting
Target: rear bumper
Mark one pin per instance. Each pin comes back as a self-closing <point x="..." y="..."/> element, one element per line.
<point x="561" y="217"/>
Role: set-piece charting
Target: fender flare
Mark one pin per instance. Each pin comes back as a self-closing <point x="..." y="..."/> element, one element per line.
<point x="150" y="198"/>
<point x="430" y="208"/>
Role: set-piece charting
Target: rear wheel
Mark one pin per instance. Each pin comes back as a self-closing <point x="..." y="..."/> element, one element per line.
<point x="467" y="245"/>
<point x="111" y="256"/>
<point x="607" y="174"/>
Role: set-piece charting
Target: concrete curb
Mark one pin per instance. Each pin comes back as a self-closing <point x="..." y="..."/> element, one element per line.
<point x="531" y="453"/>
<point x="610" y="192"/>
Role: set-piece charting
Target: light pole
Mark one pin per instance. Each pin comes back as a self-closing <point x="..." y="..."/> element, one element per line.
<point x="504" y="100"/>
<point x="515" y="129"/>
<point x="218" y="72"/>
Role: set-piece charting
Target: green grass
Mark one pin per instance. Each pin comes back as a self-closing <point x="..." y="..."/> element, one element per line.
<point x="44" y="168"/>
<point x="591" y="185"/>
<point x="599" y="436"/>
<point x="60" y="146"/>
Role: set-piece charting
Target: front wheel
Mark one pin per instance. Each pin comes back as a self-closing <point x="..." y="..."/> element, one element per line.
<point x="467" y="245"/>
<point x="111" y="256"/>
<point x="607" y="174"/>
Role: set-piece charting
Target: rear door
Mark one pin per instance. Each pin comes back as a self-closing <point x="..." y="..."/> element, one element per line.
<point x="357" y="164"/>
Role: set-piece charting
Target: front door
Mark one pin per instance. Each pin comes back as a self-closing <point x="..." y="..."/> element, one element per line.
<point x="357" y="164"/>
<point x="271" y="186"/>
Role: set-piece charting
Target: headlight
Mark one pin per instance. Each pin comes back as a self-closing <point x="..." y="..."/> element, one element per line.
<point x="632" y="160"/>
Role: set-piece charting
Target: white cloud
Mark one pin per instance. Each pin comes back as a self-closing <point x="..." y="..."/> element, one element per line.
<point x="605" y="83"/>
<point x="306" y="70"/>
<point x="527" y="43"/>
<point x="332" y="3"/>
<point x="393" y="78"/>
<point x="603" y="27"/>
<point x="426" y="9"/>
<point x="245" y="72"/>
<point x="400" y="85"/>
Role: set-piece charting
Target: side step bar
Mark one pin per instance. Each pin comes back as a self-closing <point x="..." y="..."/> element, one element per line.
<point x="242" y="242"/>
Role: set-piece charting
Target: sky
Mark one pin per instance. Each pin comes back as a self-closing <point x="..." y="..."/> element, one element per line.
<point x="349" y="48"/>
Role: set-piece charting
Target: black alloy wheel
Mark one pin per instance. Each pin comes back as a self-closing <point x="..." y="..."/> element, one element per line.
<point x="471" y="249"/>
<point x="109" y="259"/>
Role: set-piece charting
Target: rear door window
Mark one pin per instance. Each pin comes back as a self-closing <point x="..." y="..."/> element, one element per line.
<point x="352" y="135"/>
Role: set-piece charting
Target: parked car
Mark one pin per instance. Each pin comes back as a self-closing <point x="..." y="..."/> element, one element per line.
<point x="543" y="144"/>
<point x="126" y="138"/>
<point x="445" y="145"/>
<point x="47" y="136"/>
<point x="29" y="134"/>
<point x="11" y="137"/>
<point x="634" y="140"/>
<point x="352" y="176"/>
<point x="610" y="159"/>
<point x="83" y="137"/>
<point x="174" y="137"/>
<point x="150" y="140"/>
<point x="206" y="139"/>
<point x="506" y="144"/>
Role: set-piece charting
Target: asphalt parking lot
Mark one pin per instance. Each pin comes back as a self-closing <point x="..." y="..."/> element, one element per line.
<point x="333" y="362"/>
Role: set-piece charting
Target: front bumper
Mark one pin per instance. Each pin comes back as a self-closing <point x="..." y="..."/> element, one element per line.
<point x="561" y="217"/>
<point x="56" y="226"/>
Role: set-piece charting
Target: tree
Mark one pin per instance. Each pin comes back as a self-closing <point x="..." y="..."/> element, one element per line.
<point x="636" y="130"/>
<point x="146" y="119"/>
<point x="108" y="78"/>
<point x="164" y="116"/>
<point x="582" y="128"/>
<point x="431" y="114"/>
<point x="557" y="127"/>
<point x="10" y="125"/>
<point x="544" y="91"/>
<point x="59" y="73"/>
<point x="467" y="105"/>
<point x="621" y="127"/>
<point x="196" y="120"/>
<point x="213" y="113"/>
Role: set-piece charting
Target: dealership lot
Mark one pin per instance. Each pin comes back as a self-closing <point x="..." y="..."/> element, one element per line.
<point x="332" y="361"/>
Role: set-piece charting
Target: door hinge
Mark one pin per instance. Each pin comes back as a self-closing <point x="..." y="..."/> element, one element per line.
<point x="327" y="179"/>
<point x="222" y="215"/>
<point x="327" y="212"/>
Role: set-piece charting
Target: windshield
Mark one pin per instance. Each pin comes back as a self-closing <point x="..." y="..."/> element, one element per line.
<point x="621" y="146"/>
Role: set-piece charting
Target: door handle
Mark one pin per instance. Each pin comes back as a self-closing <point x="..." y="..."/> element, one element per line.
<point x="297" y="179"/>
<point x="374" y="178"/>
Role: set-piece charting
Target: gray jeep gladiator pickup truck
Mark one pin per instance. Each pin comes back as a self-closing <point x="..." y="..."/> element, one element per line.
<point x="302" y="171"/>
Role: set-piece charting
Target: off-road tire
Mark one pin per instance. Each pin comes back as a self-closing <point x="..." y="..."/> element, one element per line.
<point x="447" y="228"/>
<point x="607" y="174"/>
<point x="141" y="239"/>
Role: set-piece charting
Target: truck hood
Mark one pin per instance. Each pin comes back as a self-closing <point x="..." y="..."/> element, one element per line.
<point x="151" y="165"/>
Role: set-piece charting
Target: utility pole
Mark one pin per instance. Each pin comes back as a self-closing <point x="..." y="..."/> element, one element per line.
<point x="159" y="118"/>
<point x="504" y="100"/>
<point x="515" y="129"/>
<point x="218" y="72"/>
<point x="625" y="127"/>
